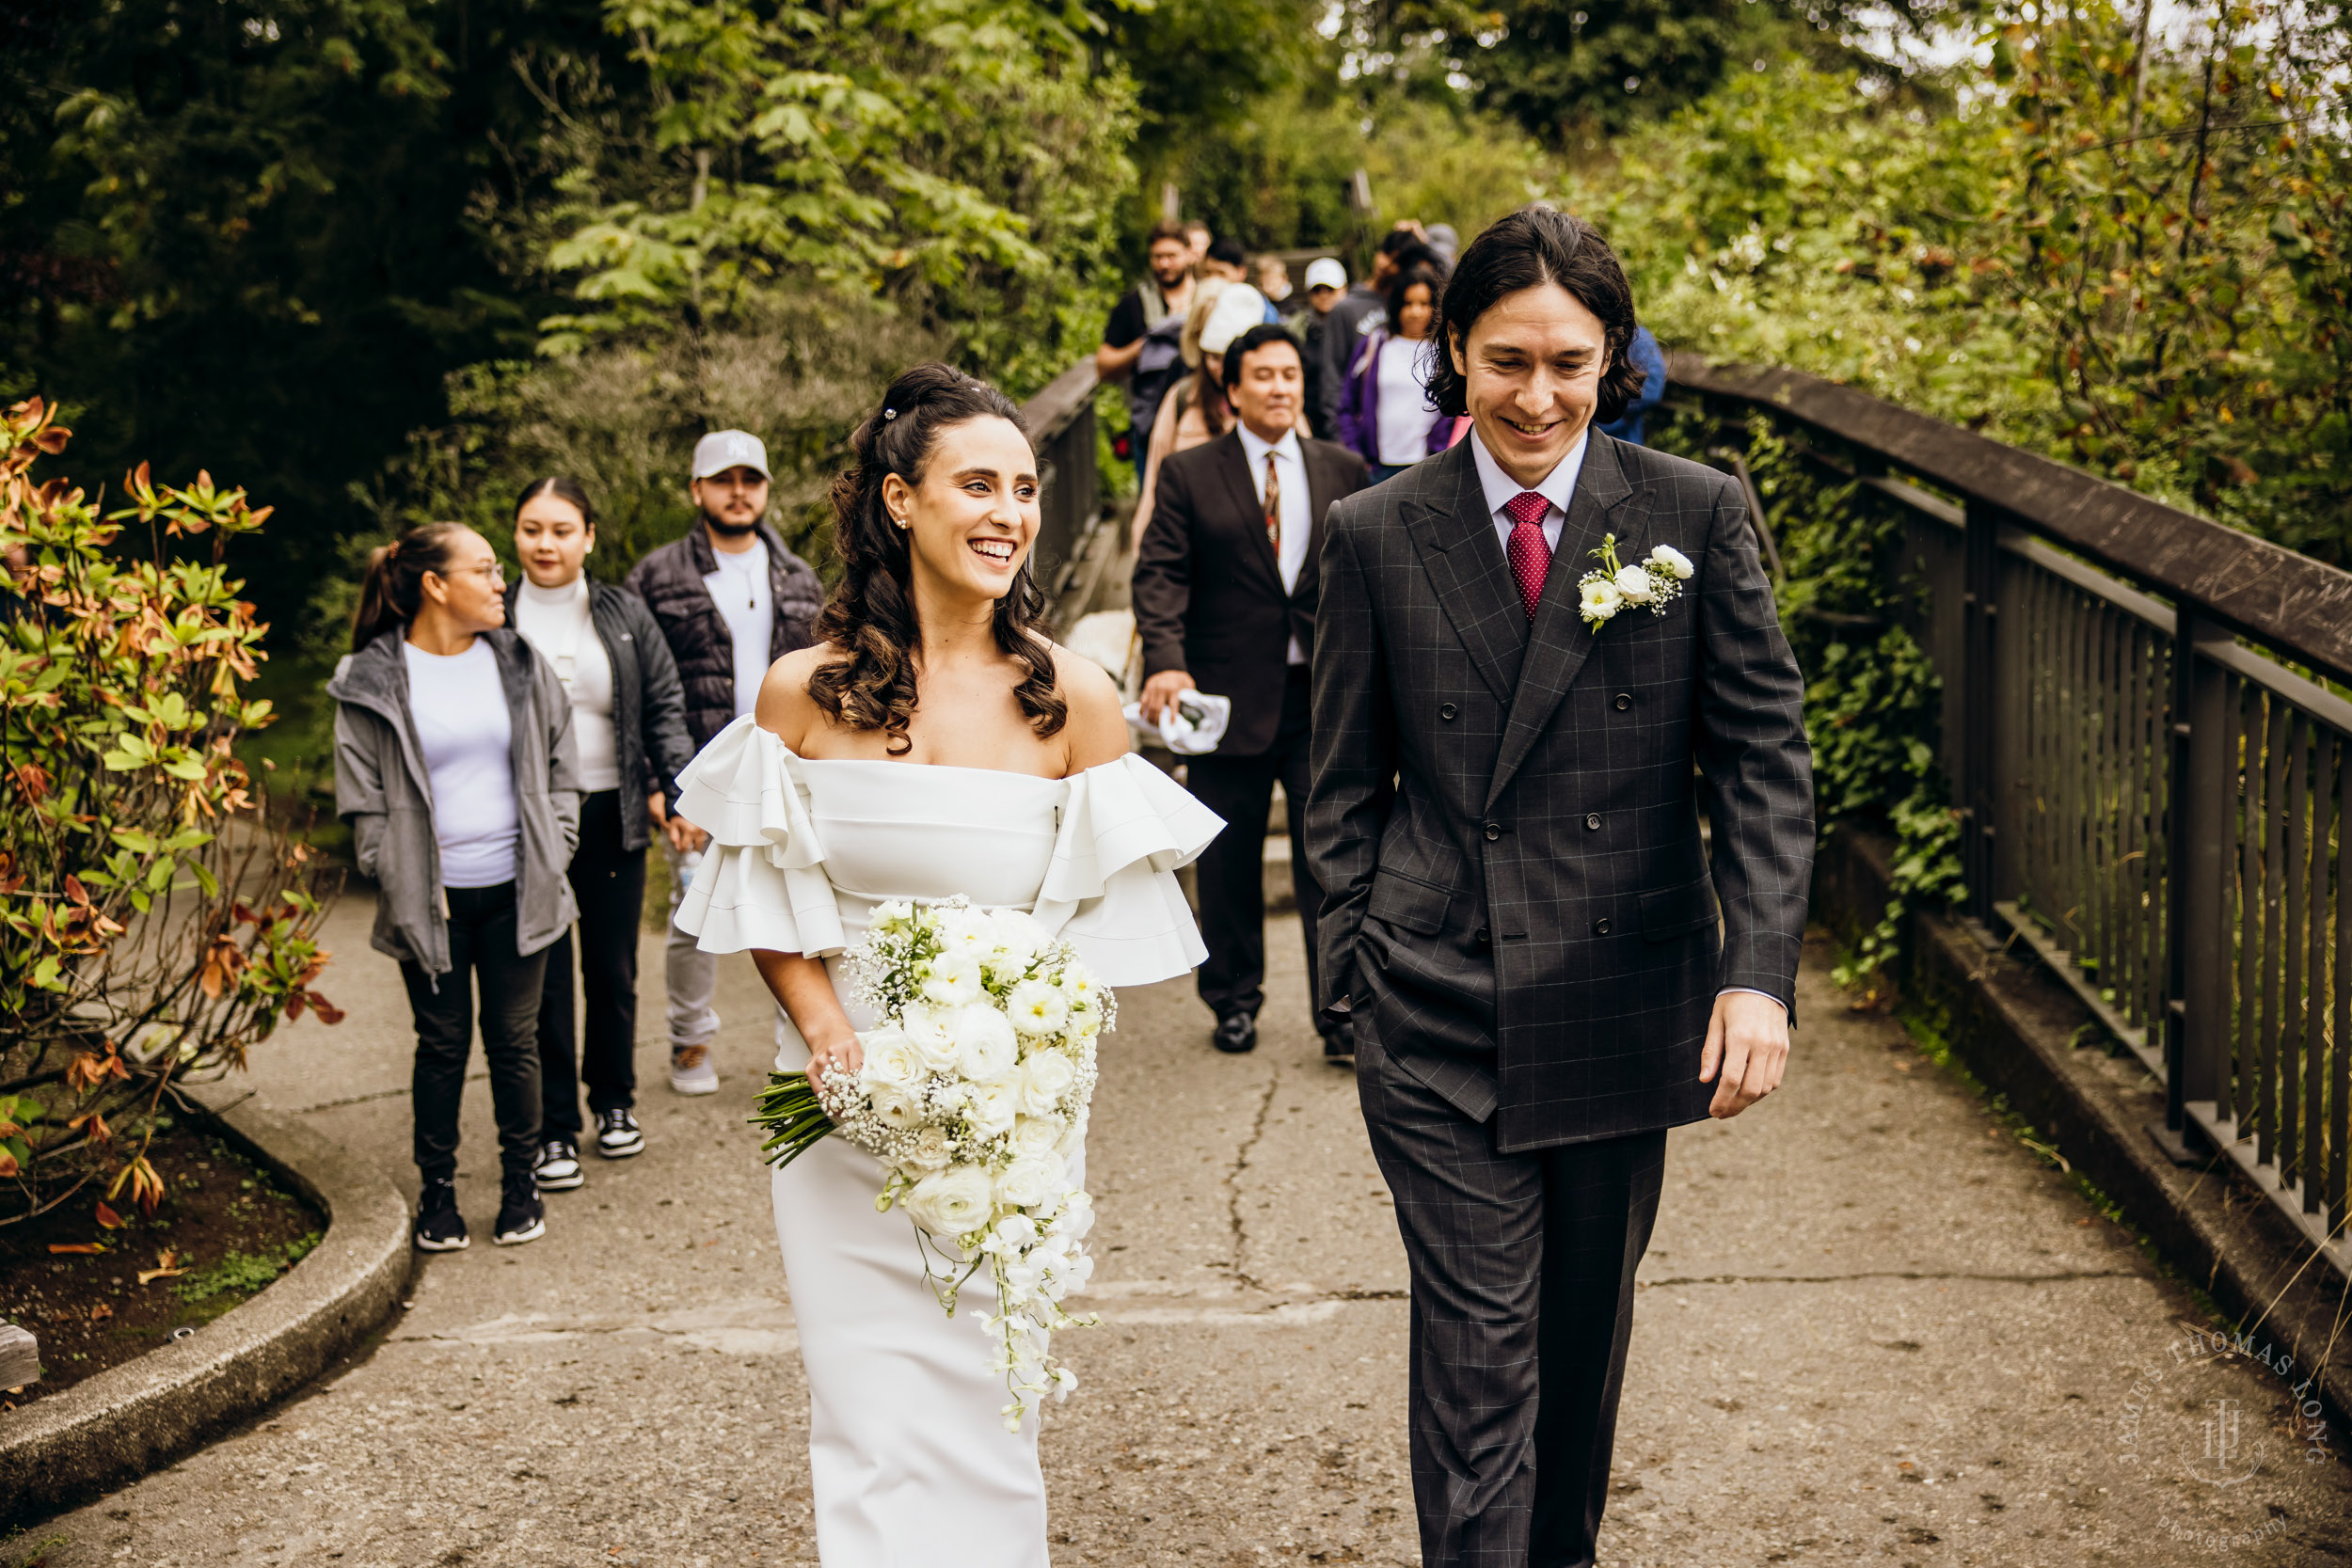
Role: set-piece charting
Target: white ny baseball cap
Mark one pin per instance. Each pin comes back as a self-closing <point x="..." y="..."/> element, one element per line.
<point x="722" y="449"/>
<point x="1326" y="273"/>
<point x="1236" y="310"/>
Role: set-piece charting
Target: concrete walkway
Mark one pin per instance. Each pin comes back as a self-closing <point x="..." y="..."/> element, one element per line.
<point x="1873" y="1328"/>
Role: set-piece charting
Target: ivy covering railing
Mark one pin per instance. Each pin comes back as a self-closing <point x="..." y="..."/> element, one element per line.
<point x="2099" y="724"/>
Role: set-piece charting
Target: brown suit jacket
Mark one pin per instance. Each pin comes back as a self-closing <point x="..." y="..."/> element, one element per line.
<point x="1208" y="591"/>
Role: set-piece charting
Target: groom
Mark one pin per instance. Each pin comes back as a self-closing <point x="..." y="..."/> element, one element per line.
<point x="1521" y="916"/>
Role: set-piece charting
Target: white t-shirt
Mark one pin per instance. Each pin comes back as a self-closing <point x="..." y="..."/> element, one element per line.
<point x="458" y="706"/>
<point x="1404" y="412"/>
<point x="740" y="589"/>
<point x="556" y="622"/>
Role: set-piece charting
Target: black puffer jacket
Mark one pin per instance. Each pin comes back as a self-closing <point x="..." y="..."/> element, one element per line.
<point x="649" y="711"/>
<point x="669" y="581"/>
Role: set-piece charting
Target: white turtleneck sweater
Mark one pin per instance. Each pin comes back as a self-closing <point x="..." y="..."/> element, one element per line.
<point x="555" y="621"/>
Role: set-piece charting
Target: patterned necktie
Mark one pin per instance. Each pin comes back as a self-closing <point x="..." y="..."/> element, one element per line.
<point x="1530" y="557"/>
<point x="1273" y="507"/>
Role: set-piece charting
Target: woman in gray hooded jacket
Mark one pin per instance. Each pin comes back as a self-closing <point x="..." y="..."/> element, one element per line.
<point x="465" y="812"/>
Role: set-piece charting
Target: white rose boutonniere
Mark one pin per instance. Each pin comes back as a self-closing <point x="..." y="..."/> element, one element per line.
<point x="1653" y="584"/>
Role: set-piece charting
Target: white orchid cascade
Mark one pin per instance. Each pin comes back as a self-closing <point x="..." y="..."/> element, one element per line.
<point x="974" y="1095"/>
<point x="1653" y="584"/>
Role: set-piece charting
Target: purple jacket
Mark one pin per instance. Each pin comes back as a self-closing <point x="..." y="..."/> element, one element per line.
<point x="1359" y="406"/>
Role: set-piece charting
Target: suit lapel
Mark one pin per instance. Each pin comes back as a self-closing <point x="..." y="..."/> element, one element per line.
<point x="1232" y="465"/>
<point x="1450" y="525"/>
<point x="1322" y="490"/>
<point x="1559" y="641"/>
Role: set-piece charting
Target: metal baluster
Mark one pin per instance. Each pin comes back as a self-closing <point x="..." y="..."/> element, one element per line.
<point x="2249" y="921"/>
<point x="2294" y="834"/>
<point x="2274" y="916"/>
<point x="2314" y="1137"/>
<point x="2340" y="1056"/>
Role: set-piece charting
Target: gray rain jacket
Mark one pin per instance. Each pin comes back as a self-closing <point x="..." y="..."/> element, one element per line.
<point x="382" y="787"/>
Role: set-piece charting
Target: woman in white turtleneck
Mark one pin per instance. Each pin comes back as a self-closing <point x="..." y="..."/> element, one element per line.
<point x="629" y="726"/>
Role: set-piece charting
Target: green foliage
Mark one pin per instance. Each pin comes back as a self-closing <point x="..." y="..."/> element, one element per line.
<point x="2126" y="256"/>
<point x="252" y="236"/>
<point x="240" y="1274"/>
<point x="155" y="918"/>
<point x="924" y="152"/>
<point x="1562" y="68"/>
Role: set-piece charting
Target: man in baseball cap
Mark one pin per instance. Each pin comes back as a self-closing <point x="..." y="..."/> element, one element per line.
<point x="1326" y="280"/>
<point x="731" y="599"/>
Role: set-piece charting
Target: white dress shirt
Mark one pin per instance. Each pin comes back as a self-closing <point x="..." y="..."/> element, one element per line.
<point x="1289" y="467"/>
<point x="740" y="589"/>
<point x="1559" y="488"/>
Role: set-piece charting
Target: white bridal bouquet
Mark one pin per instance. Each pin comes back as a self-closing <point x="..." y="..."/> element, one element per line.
<point x="1653" y="583"/>
<point x="974" y="1096"/>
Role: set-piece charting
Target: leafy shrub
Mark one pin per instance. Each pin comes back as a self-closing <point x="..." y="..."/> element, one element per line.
<point x="157" y="917"/>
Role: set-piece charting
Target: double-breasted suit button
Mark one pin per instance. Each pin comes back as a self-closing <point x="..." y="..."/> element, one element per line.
<point x="1446" y="712"/>
<point x="1624" y="700"/>
<point x="1592" y="820"/>
<point x="1600" y="926"/>
<point x="1493" y="831"/>
<point x="1483" y="939"/>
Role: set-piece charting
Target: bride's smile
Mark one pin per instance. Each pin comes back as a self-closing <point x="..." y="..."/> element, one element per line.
<point x="971" y="513"/>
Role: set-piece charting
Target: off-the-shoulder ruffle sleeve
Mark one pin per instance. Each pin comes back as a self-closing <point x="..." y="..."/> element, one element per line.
<point x="762" y="882"/>
<point x="1111" y="889"/>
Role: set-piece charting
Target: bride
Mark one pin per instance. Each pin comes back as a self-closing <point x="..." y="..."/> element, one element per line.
<point x="932" y="742"/>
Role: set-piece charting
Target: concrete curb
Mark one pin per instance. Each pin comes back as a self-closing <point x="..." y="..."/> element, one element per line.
<point x="2015" y="1026"/>
<point x="114" y="1427"/>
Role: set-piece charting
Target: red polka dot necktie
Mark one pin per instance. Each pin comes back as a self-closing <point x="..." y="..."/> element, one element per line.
<point x="1530" y="557"/>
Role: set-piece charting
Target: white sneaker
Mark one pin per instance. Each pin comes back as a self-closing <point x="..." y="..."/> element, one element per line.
<point x="691" y="1070"/>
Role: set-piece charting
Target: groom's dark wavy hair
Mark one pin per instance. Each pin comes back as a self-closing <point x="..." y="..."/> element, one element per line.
<point x="870" y="616"/>
<point x="1533" y="246"/>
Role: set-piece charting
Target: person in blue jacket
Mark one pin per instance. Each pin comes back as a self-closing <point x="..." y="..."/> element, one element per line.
<point x="1647" y="358"/>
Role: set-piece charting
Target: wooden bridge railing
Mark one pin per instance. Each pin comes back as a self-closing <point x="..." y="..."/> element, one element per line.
<point x="2150" y="797"/>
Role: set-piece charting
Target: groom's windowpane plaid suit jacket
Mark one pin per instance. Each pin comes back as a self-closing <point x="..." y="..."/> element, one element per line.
<point x="1518" y="905"/>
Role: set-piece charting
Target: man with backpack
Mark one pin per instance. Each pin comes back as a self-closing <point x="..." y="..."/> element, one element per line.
<point x="1142" y="343"/>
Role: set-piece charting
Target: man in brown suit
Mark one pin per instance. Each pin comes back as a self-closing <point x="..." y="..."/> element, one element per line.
<point x="1225" y="589"/>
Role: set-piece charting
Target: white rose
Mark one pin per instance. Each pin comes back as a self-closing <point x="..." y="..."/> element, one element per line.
<point x="926" y="1026"/>
<point x="1600" y="598"/>
<point x="953" y="980"/>
<point x="892" y="1059"/>
<point x="1037" y="1135"/>
<point x="1673" y="562"/>
<point x="1045" y="1077"/>
<point x="964" y="930"/>
<point x="952" y="1203"/>
<point x="1030" y="1178"/>
<point x="931" y="1150"/>
<point x="985" y="1049"/>
<point x="991" y="1107"/>
<point x="1038" y="1007"/>
<point x="896" y="1108"/>
<point x="1634" y="582"/>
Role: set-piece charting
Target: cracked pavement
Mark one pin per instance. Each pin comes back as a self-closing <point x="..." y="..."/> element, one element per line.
<point x="1872" y="1328"/>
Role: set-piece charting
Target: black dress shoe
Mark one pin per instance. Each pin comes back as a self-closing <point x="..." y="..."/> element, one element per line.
<point x="1235" y="1033"/>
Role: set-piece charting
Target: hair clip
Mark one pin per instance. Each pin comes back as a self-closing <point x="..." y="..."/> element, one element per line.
<point x="890" y="413"/>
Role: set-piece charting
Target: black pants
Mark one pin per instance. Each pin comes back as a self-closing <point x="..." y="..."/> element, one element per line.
<point x="1231" y="870"/>
<point x="1522" y="1309"/>
<point x="610" y="885"/>
<point x="481" y="949"/>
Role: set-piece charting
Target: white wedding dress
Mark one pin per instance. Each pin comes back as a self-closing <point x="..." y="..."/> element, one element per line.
<point x="909" y="1458"/>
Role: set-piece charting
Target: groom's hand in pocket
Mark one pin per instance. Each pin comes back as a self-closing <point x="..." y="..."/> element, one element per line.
<point x="1747" y="1050"/>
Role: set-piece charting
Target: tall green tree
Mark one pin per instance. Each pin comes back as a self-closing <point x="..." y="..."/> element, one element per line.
<point x="244" y="234"/>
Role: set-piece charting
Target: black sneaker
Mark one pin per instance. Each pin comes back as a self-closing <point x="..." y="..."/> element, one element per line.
<point x="557" y="1169"/>
<point x="521" y="1216"/>
<point x="440" y="1226"/>
<point x="618" y="1137"/>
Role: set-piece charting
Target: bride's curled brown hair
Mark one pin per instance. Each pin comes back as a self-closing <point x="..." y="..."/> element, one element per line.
<point x="870" y="616"/>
